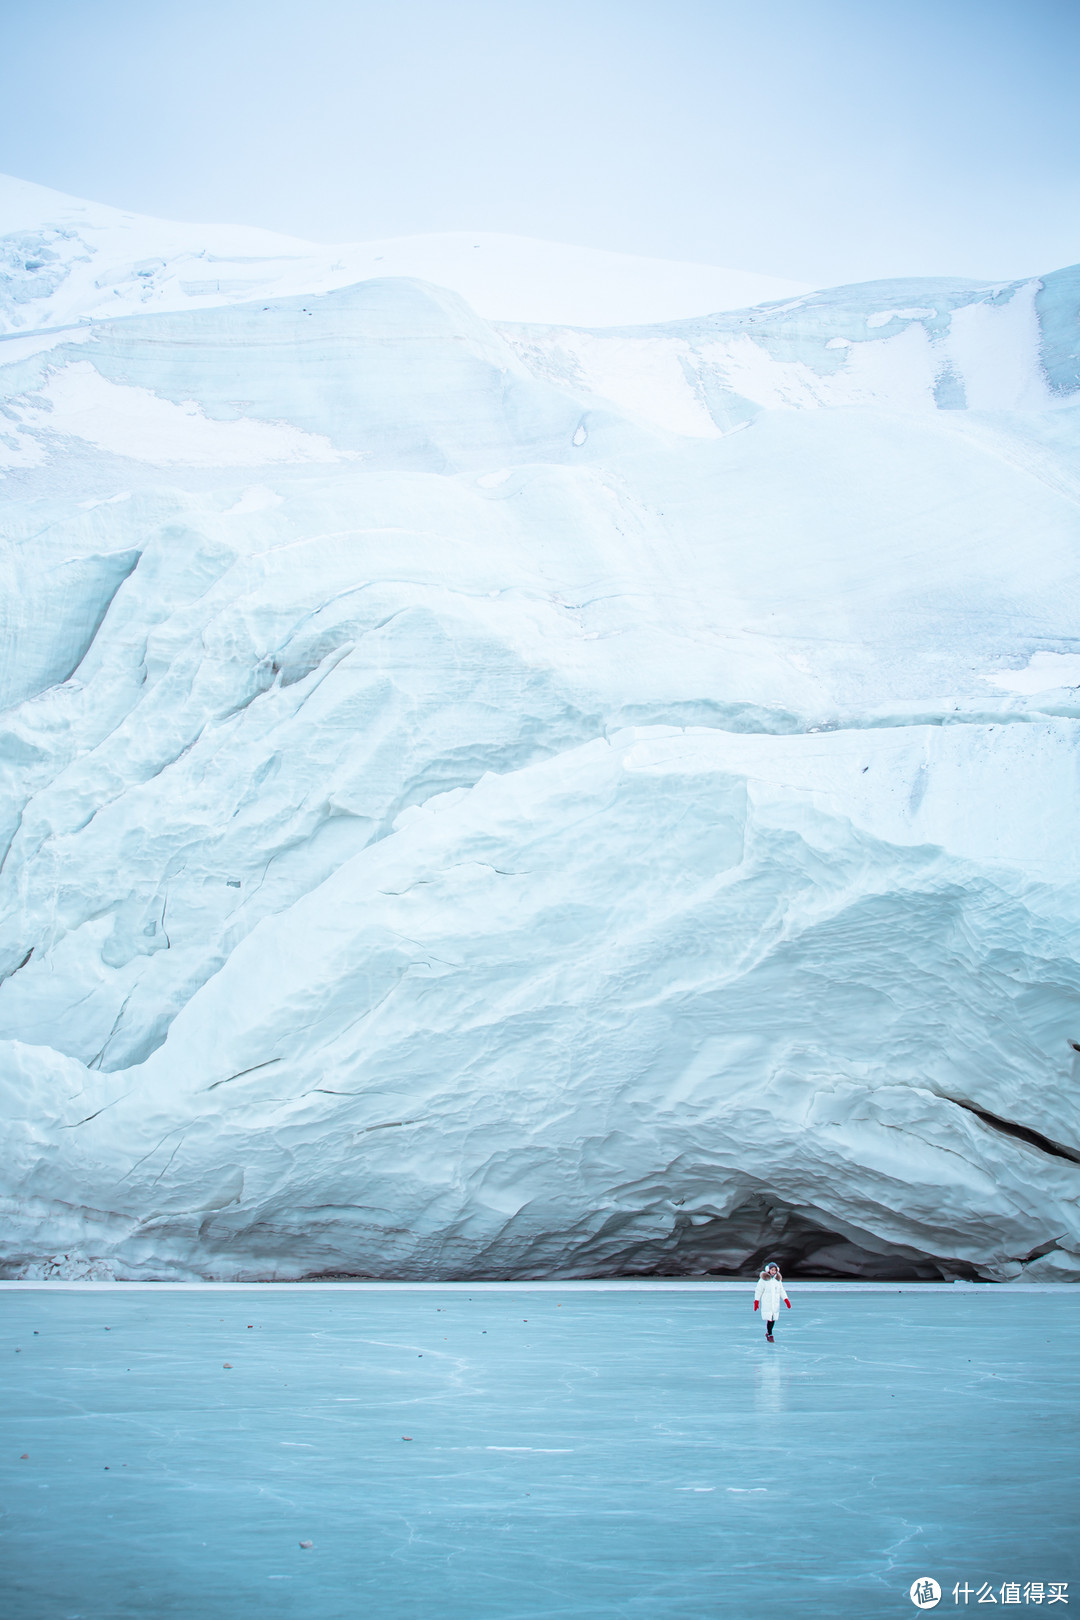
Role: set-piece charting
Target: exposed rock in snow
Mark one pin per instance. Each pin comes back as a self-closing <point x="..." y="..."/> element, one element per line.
<point x="468" y="812"/>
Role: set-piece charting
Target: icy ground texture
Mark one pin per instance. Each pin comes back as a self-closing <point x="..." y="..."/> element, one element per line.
<point x="455" y="826"/>
<point x="571" y="1454"/>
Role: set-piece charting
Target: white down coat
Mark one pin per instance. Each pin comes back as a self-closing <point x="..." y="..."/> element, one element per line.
<point x="770" y="1292"/>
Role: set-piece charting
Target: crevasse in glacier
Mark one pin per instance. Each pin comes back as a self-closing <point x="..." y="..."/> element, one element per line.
<point x="519" y="801"/>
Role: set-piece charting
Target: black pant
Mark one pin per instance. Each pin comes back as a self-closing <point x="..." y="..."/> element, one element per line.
<point x="770" y="1325"/>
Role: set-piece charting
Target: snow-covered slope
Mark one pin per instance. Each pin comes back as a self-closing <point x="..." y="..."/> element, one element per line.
<point x="462" y="820"/>
<point x="904" y="345"/>
<point x="64" y="260"/>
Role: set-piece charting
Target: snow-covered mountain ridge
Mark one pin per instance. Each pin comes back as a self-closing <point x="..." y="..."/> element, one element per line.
<point x="517" y="800"/>
<point x="65" y="260"/>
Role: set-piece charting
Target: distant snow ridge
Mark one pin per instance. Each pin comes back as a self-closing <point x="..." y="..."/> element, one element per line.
<point x="96" y="262"/>
<point x="533" y="800"/>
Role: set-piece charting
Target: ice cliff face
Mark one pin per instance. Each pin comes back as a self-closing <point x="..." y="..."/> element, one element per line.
<point x="541" y="801"/>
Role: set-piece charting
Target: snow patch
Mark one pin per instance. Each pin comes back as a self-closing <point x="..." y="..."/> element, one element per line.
<point x="1044" y="672"/>
<point x="129" y="421"/>
<point x="882" y="317"/>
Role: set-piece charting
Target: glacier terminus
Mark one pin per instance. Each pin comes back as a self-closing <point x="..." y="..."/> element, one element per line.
<point x="495" y="790"/>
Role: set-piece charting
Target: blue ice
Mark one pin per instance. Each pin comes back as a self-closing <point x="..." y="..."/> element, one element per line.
<point x="573" y="1450"/>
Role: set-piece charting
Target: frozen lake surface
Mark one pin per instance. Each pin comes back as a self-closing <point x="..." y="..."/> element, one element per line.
<point x="574" y="1451"/>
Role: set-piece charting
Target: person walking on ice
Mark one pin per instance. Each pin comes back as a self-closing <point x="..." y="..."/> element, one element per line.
<point x="770" y="1291"/>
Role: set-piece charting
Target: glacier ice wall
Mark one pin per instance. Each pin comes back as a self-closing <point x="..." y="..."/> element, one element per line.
<point x="523" y="801"/>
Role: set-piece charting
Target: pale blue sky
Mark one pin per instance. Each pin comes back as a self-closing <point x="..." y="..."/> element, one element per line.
<point x="823" y="141"/>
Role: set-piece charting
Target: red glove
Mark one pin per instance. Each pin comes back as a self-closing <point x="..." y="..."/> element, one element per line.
<point x="787" y="1302"/>
<point x="755" y="1304"/>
